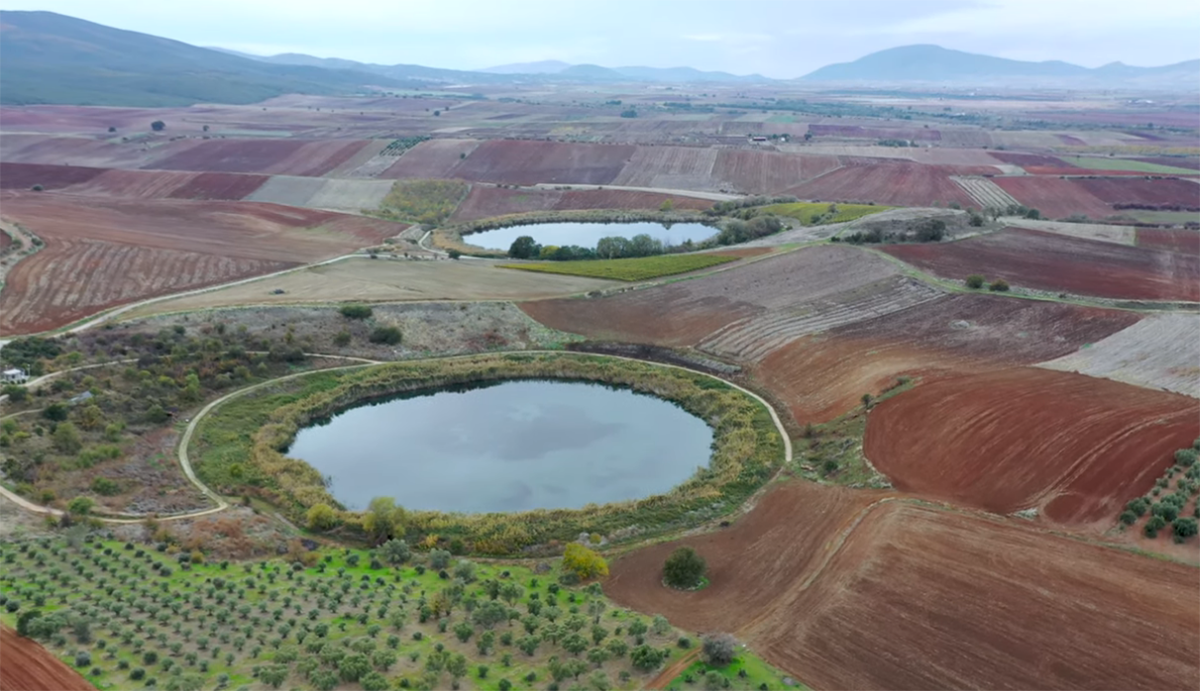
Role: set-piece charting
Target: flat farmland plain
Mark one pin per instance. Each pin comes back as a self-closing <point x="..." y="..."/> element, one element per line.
<point x="1043" y="261"/>
<point x="274" y="156"/>
<point x="863" y="590"/>
<point x="1055" y="197"/>
<point x="1076" y="448"/>
<point x="102" y="253"/>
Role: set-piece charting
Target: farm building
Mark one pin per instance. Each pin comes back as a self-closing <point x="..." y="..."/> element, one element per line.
<point x="13" y="376"/>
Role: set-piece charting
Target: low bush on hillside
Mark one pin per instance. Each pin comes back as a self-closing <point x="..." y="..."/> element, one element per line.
<point x="423" y="201"/>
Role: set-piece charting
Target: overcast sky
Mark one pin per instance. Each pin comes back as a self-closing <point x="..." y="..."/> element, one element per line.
<point x="777" y="38"/>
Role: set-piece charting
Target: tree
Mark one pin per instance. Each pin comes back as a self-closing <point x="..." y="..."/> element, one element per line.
<point x="158" y="125"/>
<point x="388" y="335"/>
<point x="975" y="281"/>
<point x="1184" y="527"/>
<point x="998" y="286"/>
<point x="354" y="667"/>
<point x="583" y="562"/>
<point x="684" y="569"/>
<point x="395" y="551"/>
<point x="322" y="517"/>
<point x="600" y="681"/>
<point x="80" y="506"/>
<point x="273" y="675"/>
<point x="374" y="681"/>
<point x="453" y="254"/>
<point x="612" y="247"/>
<point x="718" y="648"/>
<point x="667" y="205"/>
<point x="524" y="248"/>
<point x="15" y="393"/>
<point x="457" y="666"/>
<point x="66" y="438"/>
<point x="56" y="412"/>
<point x="1155" y="524"/>
<point x="383" y="518"/>
<point x="646" y="658"/>
<point x="575" y="644"/>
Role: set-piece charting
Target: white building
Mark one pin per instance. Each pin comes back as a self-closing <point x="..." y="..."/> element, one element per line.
<point x="13" y="376"/>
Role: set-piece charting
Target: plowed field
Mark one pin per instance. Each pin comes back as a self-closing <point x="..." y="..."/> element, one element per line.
<point x="1158" y="193"/>
<point x="1075" y="447"/>
<point x="857" y="131"/>
<point x="1026" y="160"/>
<point x="486" y="201"/>
<point x="820" y="377"/>
<point x="671" y="167"/>
<point x="23" y="176"/>
<point x="158" y="184"/>
<point x="530" y="162"/>
<point x="1055" y="197"/>
<point x="434" y="160"/>
<point x="100" y="253"/>
<point x="761" y="172"/>
<point x="685" y="312"/>
<point x="1185" y="241"/>
<point x="898" y="596"/>
<point x="27" y="666"/>
<point x="890" y="183"/>
<point x="276" y="156"/>
<point x="1045" y="261"/>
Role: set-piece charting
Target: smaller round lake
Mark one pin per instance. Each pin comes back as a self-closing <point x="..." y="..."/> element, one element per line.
<point x="588" y="234"/>
<point x="508" y="446"/>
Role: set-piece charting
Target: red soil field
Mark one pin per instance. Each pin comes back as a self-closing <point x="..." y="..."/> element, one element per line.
<point x="1082" y="172"/>
<point x="761" y="172"/>
<point x="844" y="594"/>
<point x="891" y="183"/>
<point x="1185" y="241"/>
<point x="27" y="666"/>
<point x="530" y="162"/>
<point x="84" y="151"/>
<point x="1026" y="160"/>
<point x="100" y="252"/>
<point x="919" y="134"/>
<point x="23" y="176"/>
<point x="626" y="199"/>
<point x="1054" y="197"/>
<point x="1046" y="261"/>
<point x="274" y="156"/>
<point x="485" y="201"/>
<point x="1182" y="117"/>
<point x="1075" y="447"/>
<point x="434" y="159"/>
<point x="1140" y="191"/>
<point x="684" y="312"/>
<point x="822" y="376"/>
<point x="162" y="184"/>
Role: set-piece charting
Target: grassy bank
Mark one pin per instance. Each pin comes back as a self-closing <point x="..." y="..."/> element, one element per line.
<point x="819" y="213"/>
<point x="242" y="442"/>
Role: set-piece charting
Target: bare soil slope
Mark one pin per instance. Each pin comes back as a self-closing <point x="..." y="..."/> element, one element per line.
<point x="27" y="666"/>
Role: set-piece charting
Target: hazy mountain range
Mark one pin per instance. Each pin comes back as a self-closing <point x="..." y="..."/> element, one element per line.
<point x="52" y="58"/>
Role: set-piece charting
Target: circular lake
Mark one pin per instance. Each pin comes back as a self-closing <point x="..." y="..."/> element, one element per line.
<point x="588" y="234"/>
<point x="506" y="446"/>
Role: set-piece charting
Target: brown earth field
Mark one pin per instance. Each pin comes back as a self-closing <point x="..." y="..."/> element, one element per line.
<point x="1054" y="197"/>
<point x="761" y="172"/>
<point x="1185" y="241"/>
<point x="27" y="666"/>
<point x="1026" y="160"/>
<point x="530" y="162"/>
<point x="1076" y="448"/>
<point x="683" y="313"/>
<point x="100" y="253"/>
<point x="821" y="376"/>
<point x="892" y="183"/>
<point x="274" y="156"/>
<point x="1157" y="192"/>
<point x="159" y="184"/>
<point x="433" y="159"/>
<point x="23" y="176"/>
<point x="1046" y="261"/>
<point x="486" y="201"/>
<point x="844" y="593"/>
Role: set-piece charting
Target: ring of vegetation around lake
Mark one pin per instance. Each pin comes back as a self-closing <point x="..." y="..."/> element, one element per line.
<point x="240" y="449"/>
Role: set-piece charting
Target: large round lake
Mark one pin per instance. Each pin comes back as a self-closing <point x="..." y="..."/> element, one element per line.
<point x="588" y="234"/>
<point x="508" y="446"/>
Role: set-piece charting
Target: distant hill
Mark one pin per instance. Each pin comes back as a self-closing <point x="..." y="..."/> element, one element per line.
<point x="929" y="63"/>
<point x="540" y="67"/>
<point x="685" y="75"/>
<point x="53" y="58"/>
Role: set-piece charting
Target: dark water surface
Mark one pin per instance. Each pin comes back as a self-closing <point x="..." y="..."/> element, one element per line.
<point x="588" y="234"/>
<point x="508" y="446"/>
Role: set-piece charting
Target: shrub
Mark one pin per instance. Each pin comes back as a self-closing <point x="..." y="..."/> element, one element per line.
<point x="998" y="286"/>
<point x="975" y="281"/>
<point x="83" y="658"/>
<point x="1128" y="517"/>
<point x="684" y="568"/>
<point x="718" y="648"/>
<point x="583" y="562"/>
<point x="1185" y="457"/>
<point x="356" y="311"/>
<point x="646" y="658"/>
<point x="1155" y="524"/>
<point x="137" y="674"/>
<point x="1165" y="509"/>
<point x="389" y="335"/>
<point x="1185" y="527"/>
